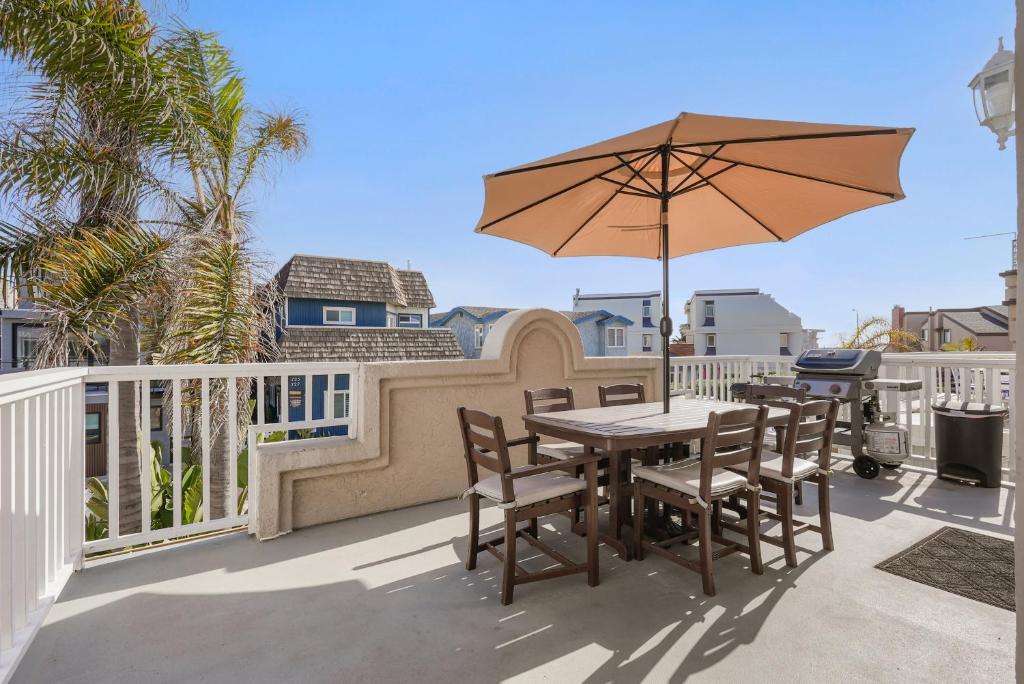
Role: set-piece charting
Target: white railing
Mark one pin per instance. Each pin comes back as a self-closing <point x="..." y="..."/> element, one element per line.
<point x="986" y="377"/>
<point x="41" y="495"/>
<point x="43" y="489"/>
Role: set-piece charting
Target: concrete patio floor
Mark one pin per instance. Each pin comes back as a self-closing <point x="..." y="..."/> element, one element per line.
<point x="386" y="598"/>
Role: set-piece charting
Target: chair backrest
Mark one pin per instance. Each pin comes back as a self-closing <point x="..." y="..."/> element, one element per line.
<point x="733" y="437"/>
<point x="484" y="439"/>
<point x="549" y="400"/>
<point x="810" y="429"/>
<point x="621" y="395"/>
<point x="760" y="394"/>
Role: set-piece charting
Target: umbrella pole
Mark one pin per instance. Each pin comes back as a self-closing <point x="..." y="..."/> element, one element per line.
<point x="666" y="320"/>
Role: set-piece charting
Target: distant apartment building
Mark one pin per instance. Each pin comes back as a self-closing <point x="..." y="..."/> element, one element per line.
<point x="643" y="307"/>
<point x="744" y="321"/>
<point x="603" y="333"/>
<point x="988" y="325"/>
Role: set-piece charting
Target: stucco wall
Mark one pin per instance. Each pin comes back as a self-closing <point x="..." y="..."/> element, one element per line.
<point x="407" y="448"/>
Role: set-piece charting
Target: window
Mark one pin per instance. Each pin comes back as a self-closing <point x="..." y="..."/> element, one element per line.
<point x="647" y="308"/>
<point x="710" y="341"/>
<point x="947" y="336"/>
<point x="392" y="320"/>
<point x="924" y="334"/>
<point x="156" y="418"/>
<point x="709" y="309"/>
<point x="93" y="428"/>
<point x="410" y="320"/>
<point x="340" y="403"/>
<point x="616" y="337"/>
<point x="478" y="336"/>
<point x="648" y="341"/>
<point x="784" y="339"/>
<point x="26" y="343"/>
<point x="339" y="315"/>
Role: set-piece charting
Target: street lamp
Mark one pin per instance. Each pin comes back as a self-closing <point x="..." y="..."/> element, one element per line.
<point x="993" y="88"/>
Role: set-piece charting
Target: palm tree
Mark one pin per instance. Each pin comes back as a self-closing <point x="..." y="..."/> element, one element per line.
<point x="115" y="113"/>
<point x="876" y="333"/>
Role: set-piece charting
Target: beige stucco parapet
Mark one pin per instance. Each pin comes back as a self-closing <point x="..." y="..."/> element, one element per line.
<point x="406" y="448"/>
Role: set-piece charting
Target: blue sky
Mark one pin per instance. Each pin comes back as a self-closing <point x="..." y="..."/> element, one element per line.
<point x="409" y="104"/>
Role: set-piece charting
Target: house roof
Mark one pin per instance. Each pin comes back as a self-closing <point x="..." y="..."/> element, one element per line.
<point x="483" y="314"/>
<point x="980" y="321"/>
<point x="617" y="295"/>
<point x="323" y="277"/>
<point x="368" y="344"/>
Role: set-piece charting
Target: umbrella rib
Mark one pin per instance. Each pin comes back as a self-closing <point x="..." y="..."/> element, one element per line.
<point x="548" y="165"/>
<point x="603" y="205"/>
<point x="783" y="138"/>
<point x="703" y="182"/>
<point x="737" y="204"/>
<point x="695" y="170"/>
<point x="553" y="195"/>
<point x="640" y="176"/>
<point x="771" y="169"/>
<point x="638" y="191"/>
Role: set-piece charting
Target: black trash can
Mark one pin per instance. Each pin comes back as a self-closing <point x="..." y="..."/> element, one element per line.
<point x="969" y="441"/>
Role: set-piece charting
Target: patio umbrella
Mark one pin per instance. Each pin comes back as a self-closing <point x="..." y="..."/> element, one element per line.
<point x="693" y="184"/>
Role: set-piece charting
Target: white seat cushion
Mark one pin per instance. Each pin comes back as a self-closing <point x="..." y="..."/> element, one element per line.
<point x="561" y="450"/>
<point x="531" y="489"/>
<point x="684" y="476"/>
<point x="771" y="467"/>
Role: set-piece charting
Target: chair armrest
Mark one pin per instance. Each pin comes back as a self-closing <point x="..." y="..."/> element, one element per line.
<point x="554" y="465"/>
<point x="523" y="440"/>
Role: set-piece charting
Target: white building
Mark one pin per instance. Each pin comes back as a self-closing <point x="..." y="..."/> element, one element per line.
<point x="643" y="308"/>
<point x="746" y="321"/>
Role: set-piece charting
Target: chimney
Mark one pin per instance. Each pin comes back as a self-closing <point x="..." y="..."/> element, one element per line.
<point x="899" y="318"/>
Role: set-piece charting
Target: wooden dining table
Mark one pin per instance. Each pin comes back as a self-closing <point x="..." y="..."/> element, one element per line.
<point x="619" y="430"/>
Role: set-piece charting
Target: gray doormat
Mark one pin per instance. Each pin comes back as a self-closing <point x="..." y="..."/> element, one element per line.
<point x="969" y="564"/>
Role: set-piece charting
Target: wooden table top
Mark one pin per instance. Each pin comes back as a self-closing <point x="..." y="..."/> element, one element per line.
<point x="637" y="426"/>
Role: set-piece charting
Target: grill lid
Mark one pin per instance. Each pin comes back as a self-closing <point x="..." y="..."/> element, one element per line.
<point x="862" y="362"/>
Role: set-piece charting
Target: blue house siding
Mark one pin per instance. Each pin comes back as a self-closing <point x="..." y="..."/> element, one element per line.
<point x="297" y="401"/>
<point x="311" y="312"/>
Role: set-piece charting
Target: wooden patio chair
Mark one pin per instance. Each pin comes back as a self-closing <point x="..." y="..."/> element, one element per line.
<point x="772" y="395"/>
<point x="524" y="493"/>
<point x="808" y="431"/>
<point x="698" y="487"/>
<point x="621" y="395"/>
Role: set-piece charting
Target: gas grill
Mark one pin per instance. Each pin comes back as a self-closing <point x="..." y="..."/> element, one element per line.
<point x="840" y="374"/>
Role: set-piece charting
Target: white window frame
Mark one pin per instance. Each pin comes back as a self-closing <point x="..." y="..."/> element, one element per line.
<point x="616" y="334"/>
<point x="340" y="310"/>
<point x="924" y="334"/>
<point x="947" y="336"/>
<point x="330" y="396"/>
<point x="419" y="321"/>
<point x="784" y="340"/>
<point x="478" y="336"/>
<point x="647" y="340"/>
<point x="711" y="341"/>
<point x="392" y="320"/>
<point x="646" y="311"/>
<point x="709" y="308"/>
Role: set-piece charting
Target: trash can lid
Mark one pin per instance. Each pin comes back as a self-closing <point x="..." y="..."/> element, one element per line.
<point x="970" y="408"/>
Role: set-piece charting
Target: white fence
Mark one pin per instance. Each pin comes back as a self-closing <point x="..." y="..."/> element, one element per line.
<point x="986" y="377"/>
<point x="43" y="495"/>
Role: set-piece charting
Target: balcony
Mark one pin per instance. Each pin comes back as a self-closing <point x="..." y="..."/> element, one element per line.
<point x="345" y="564"/>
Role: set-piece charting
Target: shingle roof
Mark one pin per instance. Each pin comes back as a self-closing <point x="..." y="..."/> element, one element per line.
<point x="369" y="344"/>
<point x="980" y="322"/>
<point x="322" y="277"/>
<point x="478" y="312"/>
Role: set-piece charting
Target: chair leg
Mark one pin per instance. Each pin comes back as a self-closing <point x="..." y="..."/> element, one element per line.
<point x="785" y="506"/>
<point x="704" y="541"/>
<point x="754" y="532"/>
<point x="593" y="567"/>
<point x="716" y="516"/>
<point x="824" y="513"/>
<point x="474" y="530"/>
<point x="638" y="520"/>
<point x="508" y="575"/>
<point x="799" y="493"/>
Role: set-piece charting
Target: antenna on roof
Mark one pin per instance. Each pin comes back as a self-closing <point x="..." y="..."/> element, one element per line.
<point x="978" y="237"/>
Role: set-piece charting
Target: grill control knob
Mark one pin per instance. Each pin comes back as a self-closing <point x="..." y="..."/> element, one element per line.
<point x="834" y="389"/>
<point x="805" y="386"/>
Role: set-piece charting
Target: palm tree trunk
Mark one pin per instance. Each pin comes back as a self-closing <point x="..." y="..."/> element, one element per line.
<point x="124" y="351"/>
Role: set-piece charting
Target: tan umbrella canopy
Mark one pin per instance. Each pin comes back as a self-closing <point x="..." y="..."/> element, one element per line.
<point x="693" y="184"/>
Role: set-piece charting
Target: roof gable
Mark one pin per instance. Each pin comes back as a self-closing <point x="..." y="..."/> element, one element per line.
<point x="321" y="277"/>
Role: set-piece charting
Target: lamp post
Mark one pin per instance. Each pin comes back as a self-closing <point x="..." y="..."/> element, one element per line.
<point x="993" y="93"/>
